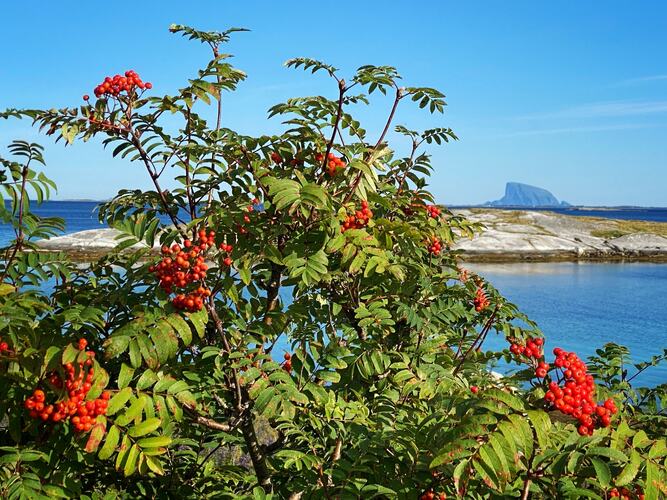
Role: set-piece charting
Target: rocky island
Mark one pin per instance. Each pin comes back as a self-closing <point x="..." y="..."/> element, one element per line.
<point x="509" y="236"/>
<point x="518" y="194"/>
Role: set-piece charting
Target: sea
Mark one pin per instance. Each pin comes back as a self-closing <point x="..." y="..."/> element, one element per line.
<point x="578" y="306"/>
<point x="656" y="214"/>
<point x="582" y="306"/>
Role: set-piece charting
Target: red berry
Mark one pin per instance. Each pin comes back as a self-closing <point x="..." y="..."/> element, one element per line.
<point x="474" y="389"/>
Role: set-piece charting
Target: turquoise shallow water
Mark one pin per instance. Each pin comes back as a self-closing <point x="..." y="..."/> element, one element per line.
<point x="580" y="307"/>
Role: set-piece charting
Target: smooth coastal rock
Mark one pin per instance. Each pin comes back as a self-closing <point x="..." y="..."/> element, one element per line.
<point x="84" y="245"/>
<point x="510" y="236"/>
<point x="517" y="235"/>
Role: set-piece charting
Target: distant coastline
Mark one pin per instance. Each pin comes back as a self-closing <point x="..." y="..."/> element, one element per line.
<point x="513" y="235"/>
<point x="509" y="236"/>
<point x="570" y="207"/>
<point x="453" y="206"/>
<point x="654" y="214"/>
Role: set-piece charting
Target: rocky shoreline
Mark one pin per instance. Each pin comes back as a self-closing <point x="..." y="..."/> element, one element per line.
<point x="520" y="236"/>
<point x="510" y="236"/>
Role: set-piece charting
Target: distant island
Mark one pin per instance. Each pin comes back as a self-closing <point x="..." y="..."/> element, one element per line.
<point x="525" y="195"/>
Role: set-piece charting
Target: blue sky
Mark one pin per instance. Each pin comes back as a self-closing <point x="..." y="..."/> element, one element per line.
<point x="569" y="96"/>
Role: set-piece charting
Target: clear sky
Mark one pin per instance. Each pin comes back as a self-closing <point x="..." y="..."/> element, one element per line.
<point x="569" y="96"/>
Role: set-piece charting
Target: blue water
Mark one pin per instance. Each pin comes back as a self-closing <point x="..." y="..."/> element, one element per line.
<point x="78" y="215"/>
<point x="82" y="215"/>
<point x="580" y="307"/>
<point x="649" y="214"/>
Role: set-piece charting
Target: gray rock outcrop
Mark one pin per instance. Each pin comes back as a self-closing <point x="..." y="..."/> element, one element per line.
<point x="517" y="235"/>
<point x="509" y="236"/>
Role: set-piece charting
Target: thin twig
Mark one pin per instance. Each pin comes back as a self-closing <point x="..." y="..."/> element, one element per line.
<point x="357" y="180"/>
<point x="525" y="493"/>
<point x="339" y="112"/>
<point x="485" y="329"/>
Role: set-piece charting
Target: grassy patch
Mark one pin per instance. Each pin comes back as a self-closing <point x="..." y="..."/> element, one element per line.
<point x="618" y="228"/>
<point x="515" y="217"/>
<point x="607" y="234"/>
<point x="511" y="217"/>
<point x="598" y="227"/>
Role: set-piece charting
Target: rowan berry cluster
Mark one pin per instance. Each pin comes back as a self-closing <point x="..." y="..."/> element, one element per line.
<point x="481" y="301"/>
<point x="575" y="395"/>
<point x="276" y="158"/>
<point x="255" y="205"/>
<point x="434" y="246"/>
<point x="625" y="494"/>
<point x="431" y="495"/>
<point x="463" y="275"/>
<point x="227" y="249"/>
<point x="287" y="365"/>
<point x="334" y="163"/>
<point x="432" y="211"/>
<point x="532" y="349"/>
<point x="4" y="346"/>
<point x="80" y="413"/>
<point x="185" y="268"/>
<point x="114" y="86"/>
<point x="359" y="219"/>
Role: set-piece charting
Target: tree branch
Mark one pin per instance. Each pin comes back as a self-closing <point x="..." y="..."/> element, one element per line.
<point x="357" y="180"/>
<point x="482" y="334"/>
<point x="212" y="424"/>
<point x="256" y="455"/>
<point x="246" y="421"/>
<point x="339" y="113"/>
<point x="19" y="230"/>
<point x="399" y="96"/>
<point x="188" y="187"/>
<point x="525" y="493"/>
<point x="152" y="172"/>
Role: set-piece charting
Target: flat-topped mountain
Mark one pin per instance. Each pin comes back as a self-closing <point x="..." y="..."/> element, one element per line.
<point x="525" y="195"/>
